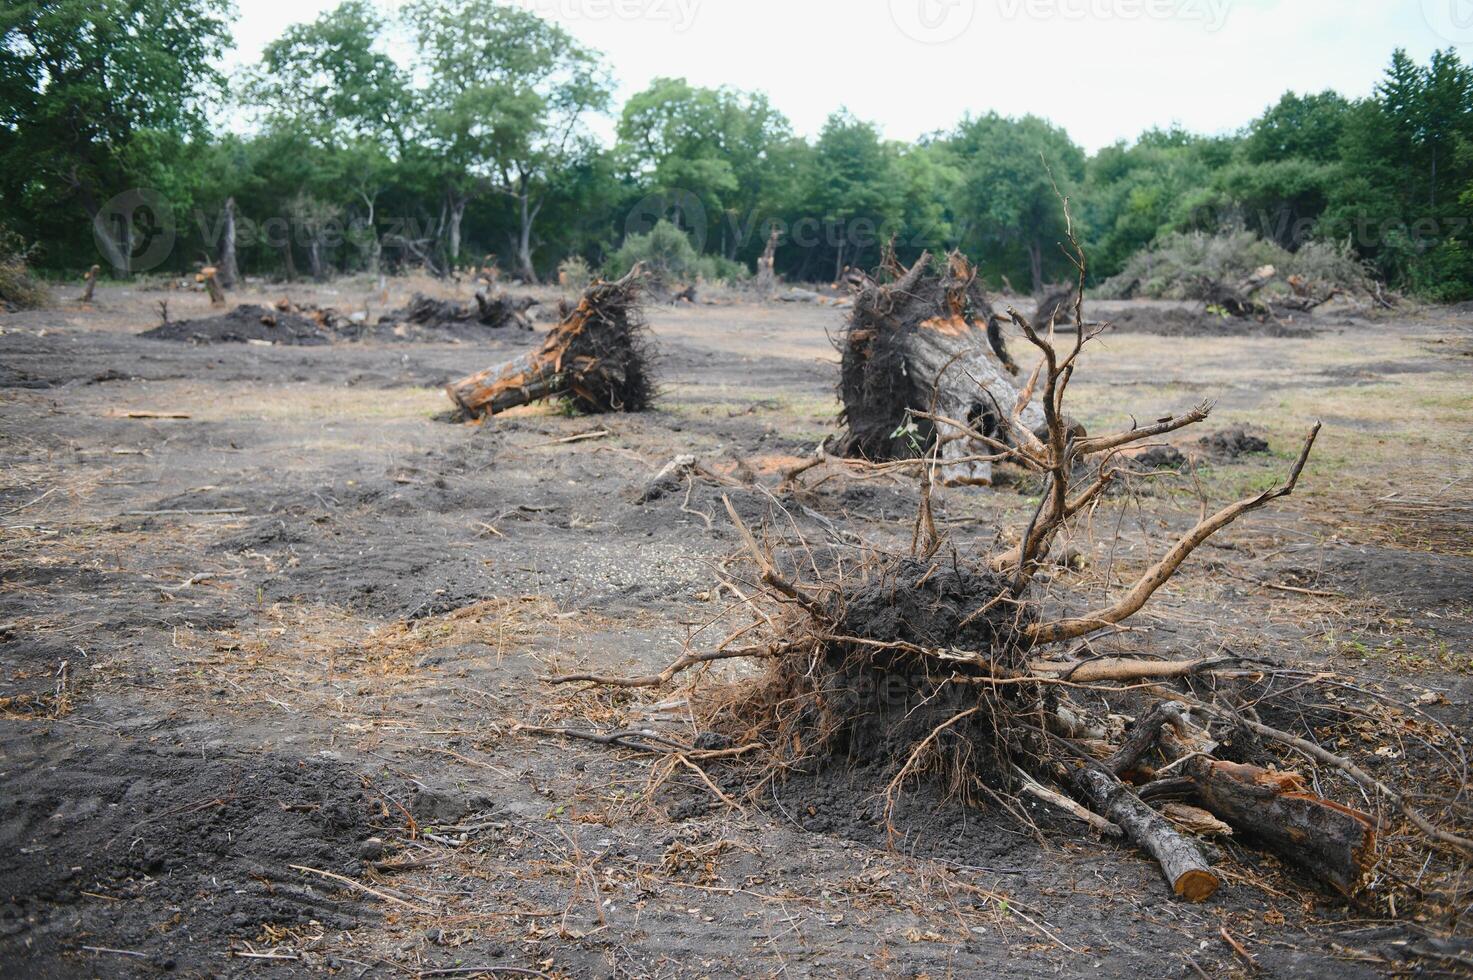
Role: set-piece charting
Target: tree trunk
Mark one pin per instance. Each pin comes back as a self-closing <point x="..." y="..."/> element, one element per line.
<point x="766" y="267"/>
<point x="1035" y="265"/>
<point x="597" y="355"/>
<point x="375" y="244"/>
<point x="117" y="251"/>
<point x="288" y="263"/>
<point x="229" y="271"/>
<point x="314" y="258"/>
<point x="457" y="214"/>
<point x="1334" y="843"/>
<point x="525" y="271"/>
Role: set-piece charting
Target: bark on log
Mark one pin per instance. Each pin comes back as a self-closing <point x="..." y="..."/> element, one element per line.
<point x="1145" y="736"/>
<point x="1182" y="863"/>
<point x="1333" y="842"/>
<point x="923" y="344"/>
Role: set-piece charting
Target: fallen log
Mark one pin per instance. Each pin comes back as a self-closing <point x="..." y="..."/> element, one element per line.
<point x="1181" y="860"/>
<point x="1333" y="842"/>
<point x="929" y="344"/>
<point x="598" y="355"/>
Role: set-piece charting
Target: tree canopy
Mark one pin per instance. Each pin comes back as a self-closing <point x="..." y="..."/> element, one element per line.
<point x="450" y="129"/>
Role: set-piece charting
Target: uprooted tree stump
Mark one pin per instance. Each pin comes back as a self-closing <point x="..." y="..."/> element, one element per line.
<point x="964" y="673"/>
<point x="599" y="356"/>
<point x="924" y="365"/>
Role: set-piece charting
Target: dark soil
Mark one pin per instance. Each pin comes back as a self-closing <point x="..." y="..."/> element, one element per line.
<point x="189" y="850"/>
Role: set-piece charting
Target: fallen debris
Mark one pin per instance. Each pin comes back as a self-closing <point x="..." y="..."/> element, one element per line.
<point x="928" y="666"/>
<point x="497" y="310"/>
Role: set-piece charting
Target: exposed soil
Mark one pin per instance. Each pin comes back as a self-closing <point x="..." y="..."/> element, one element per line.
<point x="305" y="619"/>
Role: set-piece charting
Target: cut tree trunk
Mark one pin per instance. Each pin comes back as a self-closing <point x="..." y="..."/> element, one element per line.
<point x="1181" y="859"/>
<point x="91" y="280"/>
<point x="766" y="268"/>
<point x="209" y="275"/>
<point x="930" y="343"/>
<point x="1333" y="842"/>
<point x="598" y="356"/>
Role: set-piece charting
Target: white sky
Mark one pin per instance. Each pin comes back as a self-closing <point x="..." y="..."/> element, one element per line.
<point x="1103" y="69"/>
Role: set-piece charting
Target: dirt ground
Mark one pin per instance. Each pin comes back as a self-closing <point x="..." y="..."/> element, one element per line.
<point x="268" y="625"/>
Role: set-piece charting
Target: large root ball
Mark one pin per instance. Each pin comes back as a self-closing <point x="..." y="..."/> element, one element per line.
<point x="930" y="343"/>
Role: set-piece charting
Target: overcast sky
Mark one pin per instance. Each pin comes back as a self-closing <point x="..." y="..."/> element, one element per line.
<point x="1103" y="69"/>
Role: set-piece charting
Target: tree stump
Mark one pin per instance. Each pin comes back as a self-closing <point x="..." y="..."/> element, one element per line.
<point x="599" y="356"/>
<point x="928" y="343"/>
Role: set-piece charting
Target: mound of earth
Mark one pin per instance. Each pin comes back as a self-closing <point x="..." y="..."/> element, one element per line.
<point x="1233" y="443"/>
<point x="245" y="323"/>
<point x="1173" y="321"/>
<point x="89" y="830"/>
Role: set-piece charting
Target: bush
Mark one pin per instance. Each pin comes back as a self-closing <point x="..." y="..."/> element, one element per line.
<point x="574" y="272"/>
<point x="1172" y="267"/>
<point x="669" y="257"/>
<point x="18" y="289"/>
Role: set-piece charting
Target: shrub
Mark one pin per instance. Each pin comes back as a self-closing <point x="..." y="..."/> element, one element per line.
<point x="669" y="257"/>
<point x="18" y="289"/>
<point x="574" y="272"/>
<point x="1172" y="267"/>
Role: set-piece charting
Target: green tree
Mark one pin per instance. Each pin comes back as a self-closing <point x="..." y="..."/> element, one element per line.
<point x="1006" y="199"/>
<point x="1305" y="127"/>
<point x="98" y="96"/>
<point x="508" y="96"/>
<point x="848" y="193"/>
<point x="718" y="144"/>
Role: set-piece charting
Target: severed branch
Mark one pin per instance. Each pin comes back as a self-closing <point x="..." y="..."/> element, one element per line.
<point x="1062" y="631"/>
<point x="1088" y="447"/>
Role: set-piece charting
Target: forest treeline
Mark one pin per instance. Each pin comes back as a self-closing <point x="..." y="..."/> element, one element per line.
<point x="112" y="151"/>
